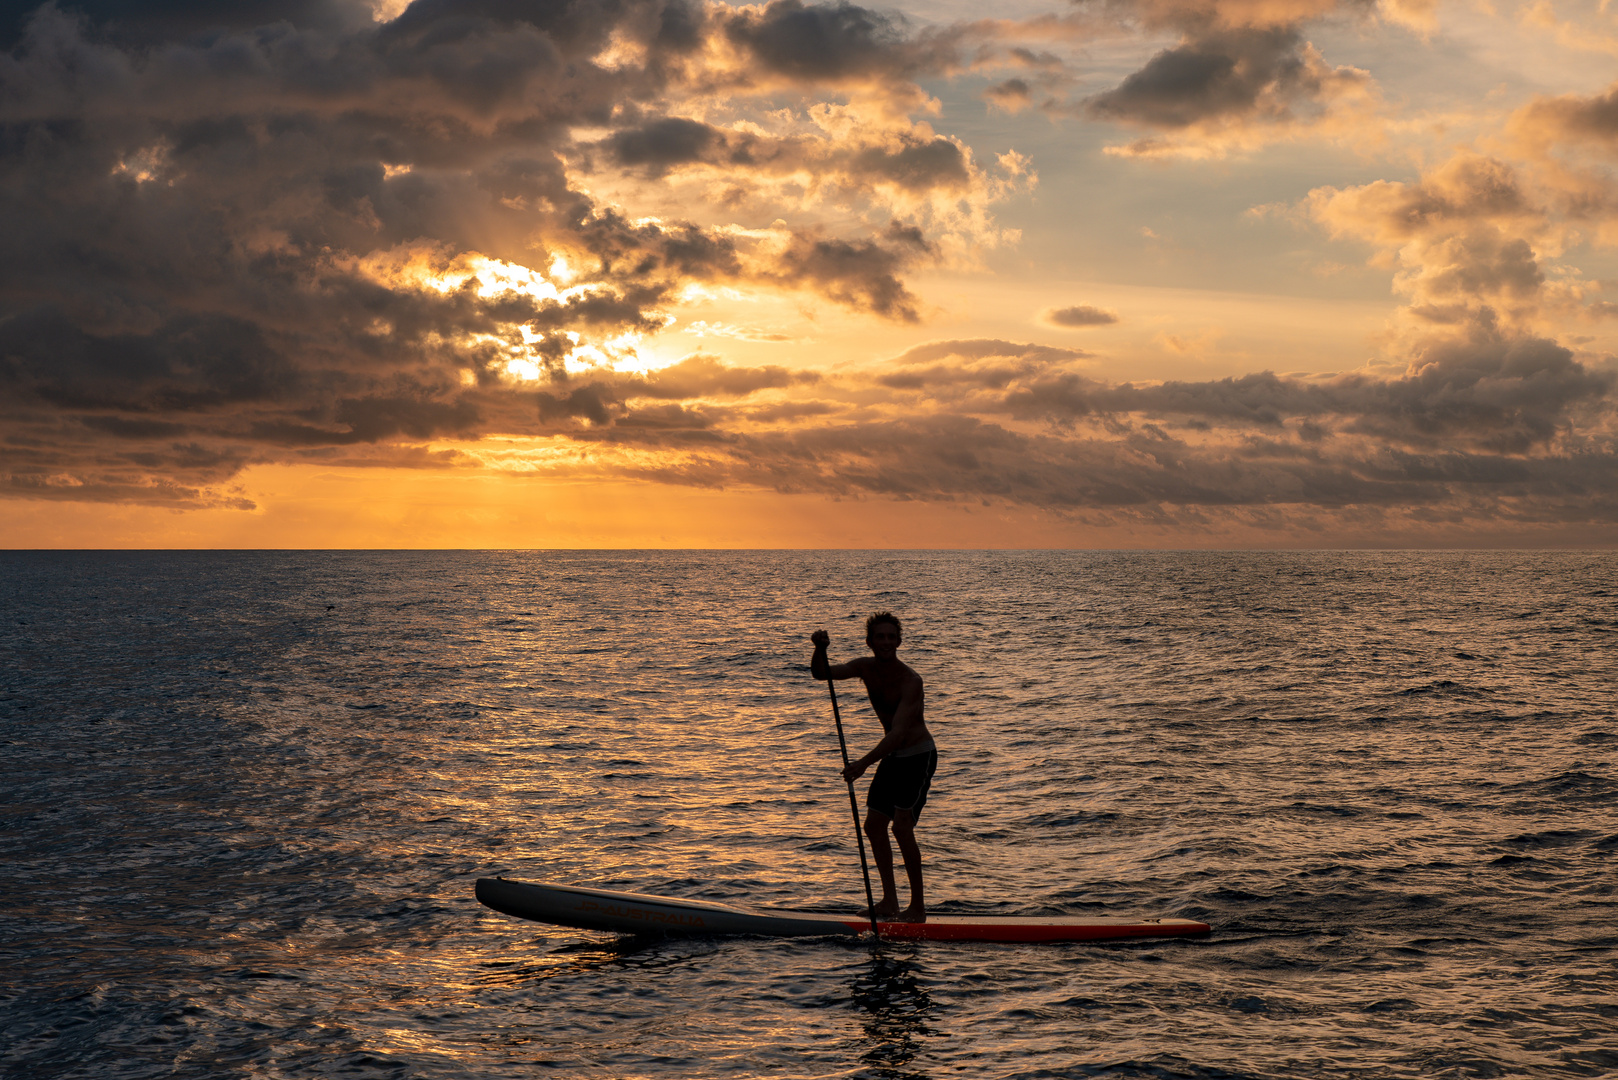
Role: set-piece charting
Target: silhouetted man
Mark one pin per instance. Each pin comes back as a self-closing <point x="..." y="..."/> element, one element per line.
<point x="907" y="756"/>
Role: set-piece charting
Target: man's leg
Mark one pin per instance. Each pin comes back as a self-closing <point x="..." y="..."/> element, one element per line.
<point x="876" y="829"/>
<point x="904" y="830"/>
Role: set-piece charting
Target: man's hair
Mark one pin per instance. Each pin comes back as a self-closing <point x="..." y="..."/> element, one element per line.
<point x="883" y="617"/>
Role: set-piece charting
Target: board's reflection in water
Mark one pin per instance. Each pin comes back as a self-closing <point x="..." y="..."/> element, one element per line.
<point x="896" y="1013"/>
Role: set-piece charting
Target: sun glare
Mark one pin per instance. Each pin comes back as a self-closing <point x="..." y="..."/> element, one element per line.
<point x="143" y="166"/>
<point x="521" y="350"/>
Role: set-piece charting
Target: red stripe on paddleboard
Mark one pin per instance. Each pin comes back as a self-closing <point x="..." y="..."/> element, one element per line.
<point x="1027" y="932"/>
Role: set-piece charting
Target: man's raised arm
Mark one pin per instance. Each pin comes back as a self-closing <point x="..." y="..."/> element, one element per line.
<point x="820" y="665"/>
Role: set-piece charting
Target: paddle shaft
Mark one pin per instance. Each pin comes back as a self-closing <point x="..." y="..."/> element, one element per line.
<point x="854" y="807"/>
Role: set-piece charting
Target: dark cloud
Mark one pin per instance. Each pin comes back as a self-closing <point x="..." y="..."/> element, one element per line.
<point x="861" y="273"/>
<point x="1080" y="315"/>
<point x="1200" y="16"/>
<point x="704" y="376"/>
<point x="565" y="21"/>
<point x="993" y="376"/>
<point x="1012" y="95"/>
<point x="1138" y="468"/>
<point x="918" y="164"/>
<point x="835" y="43"/>
<point x="665" y="142"/>
<point x="1492" y="425"/>
<point x="612" y="398"/>
<point x="1241" y="74"/>
<point x="593" y="403"/>
<point x="973" y="364"/>
<point x="145" y="22"/>
<point x="241" y="235"/>
<point x="374" y="418"/>
<point x="107" y="459"/>
<point x="1508" y="395"/>
<point x="1227" y="73"/>
<point x="1490" y="392"/>
<point x="274" y="230"/>
<point x="790" y="411"/>
<point x="186" y="363"/>
<point x="151" y="488"/>
<point x="1573" y="117"/>
<point x="980" y="348"/>
<point x="125" y="428"/>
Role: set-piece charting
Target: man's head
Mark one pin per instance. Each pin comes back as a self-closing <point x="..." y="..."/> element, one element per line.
<point x="883" y="629"/>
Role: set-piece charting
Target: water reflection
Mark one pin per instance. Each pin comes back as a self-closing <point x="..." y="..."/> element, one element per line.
<point x="582" y="957"/>
<point x="203" y="738"/>
<point x="897" y="1016"/>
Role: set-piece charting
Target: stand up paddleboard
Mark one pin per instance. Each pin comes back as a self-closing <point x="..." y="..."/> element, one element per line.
<point x="638" y="913"/>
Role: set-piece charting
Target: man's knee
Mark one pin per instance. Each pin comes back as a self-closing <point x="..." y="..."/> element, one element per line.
<point x="876" y="824"/>
<point x="903" y="824"/>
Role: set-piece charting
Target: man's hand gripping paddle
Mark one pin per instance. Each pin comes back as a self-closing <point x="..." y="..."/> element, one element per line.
<point x="854" y="806"/>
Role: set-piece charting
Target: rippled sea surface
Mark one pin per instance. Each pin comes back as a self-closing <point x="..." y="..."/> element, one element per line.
<point x="245" y="797"/>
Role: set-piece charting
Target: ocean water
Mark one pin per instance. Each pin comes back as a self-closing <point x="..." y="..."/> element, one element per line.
<point x="245" y="797"/>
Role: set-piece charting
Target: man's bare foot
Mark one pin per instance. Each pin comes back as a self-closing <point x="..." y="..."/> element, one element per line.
<point x="885" y="909"/>
<point x="913" y="913"/>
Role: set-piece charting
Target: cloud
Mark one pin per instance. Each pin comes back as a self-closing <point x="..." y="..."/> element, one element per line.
<point x="831" y="155"/>
<point x="1241" y="75"/>
<point x="1467" y="189"/>
<point x="1490" y="425"/>
<point x="617" y="397"/>
<point x="1012" y="95"/>
<point x="704" y="376"/>
<point x="907" y="160"/>
<point x="1489" y="392"/>
<point x="149" y="23"/>
<point x="860" y="273"/>
<point x="1224" y="74"/>
<point x="1472" y="242"/>
<point x="1130" y="471"/>
<point x="1231" y="89"/>
<point x="1468" y="239"/>
<point x="371" y="419"/>
<point x="703" y="328"/>
<point x="973" y="365"/>
<point x="982" y="348"/>
<point x="1079" y="315"/>
<point x="271" y="231"/>
<point x="1592" y="119"/>
<point x="826" y="42"/>
<point x="1216" y="15"/>
<point x="1569" y="143"/>
<point x="237" y="235"/>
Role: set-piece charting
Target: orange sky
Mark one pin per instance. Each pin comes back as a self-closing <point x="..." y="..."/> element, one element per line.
<point x="1161" y="273"/>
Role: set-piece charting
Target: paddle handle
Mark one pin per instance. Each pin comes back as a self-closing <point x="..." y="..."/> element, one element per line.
<point x="854" y="808"/>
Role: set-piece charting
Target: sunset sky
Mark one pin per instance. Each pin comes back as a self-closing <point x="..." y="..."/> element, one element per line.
<point x="647" y="273"/>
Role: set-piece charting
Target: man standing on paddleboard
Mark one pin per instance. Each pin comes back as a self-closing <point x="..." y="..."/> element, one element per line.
<point x="906" y="754"/>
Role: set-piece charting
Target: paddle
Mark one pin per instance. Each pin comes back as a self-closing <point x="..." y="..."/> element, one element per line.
<point x="854" y="806"/>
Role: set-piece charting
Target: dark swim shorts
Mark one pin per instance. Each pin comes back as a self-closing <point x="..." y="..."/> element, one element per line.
<point x="902" y="783"/>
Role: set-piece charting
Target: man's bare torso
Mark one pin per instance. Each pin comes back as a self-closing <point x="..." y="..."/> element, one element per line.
<point x="885" y="684"/>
